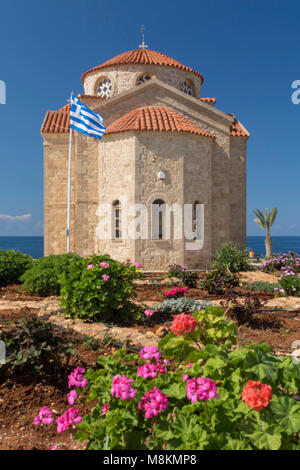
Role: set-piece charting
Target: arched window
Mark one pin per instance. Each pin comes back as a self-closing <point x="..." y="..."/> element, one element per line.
<point x="158" y="219"/>
<point x="117" y="212"/>
<point x="143" y="78"/>
<point x="104" y="88"/>
<point x="187" y="87"/>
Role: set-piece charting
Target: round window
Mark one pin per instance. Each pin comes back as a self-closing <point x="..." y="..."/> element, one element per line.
<point x="186" y="88"/>
<point x="143" y="79"/>
<point x="104" y="88"/>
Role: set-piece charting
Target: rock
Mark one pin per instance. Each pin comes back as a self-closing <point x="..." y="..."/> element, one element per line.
<point x="161" y="331"/>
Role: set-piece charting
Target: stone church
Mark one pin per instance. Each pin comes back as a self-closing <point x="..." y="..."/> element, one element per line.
<point x="165" y="144"/>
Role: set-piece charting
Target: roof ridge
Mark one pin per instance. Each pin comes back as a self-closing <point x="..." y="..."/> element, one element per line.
<point x="145" y="57"/>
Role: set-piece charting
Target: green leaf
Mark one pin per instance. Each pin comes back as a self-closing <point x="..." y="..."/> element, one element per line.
<point x="176" y="390"/>
<point x="266" y="370"/>
<point x="265" y="440"/>
<point x="288" y="413"/>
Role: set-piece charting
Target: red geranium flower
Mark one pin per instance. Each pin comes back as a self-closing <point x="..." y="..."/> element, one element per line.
<point x="183" y="323"/>
<point x="257" y="395"/>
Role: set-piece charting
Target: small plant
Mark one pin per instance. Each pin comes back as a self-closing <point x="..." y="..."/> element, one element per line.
<point x="282" y="262"/>
<point x="232" y="258"/>
<point x="43" y="276"/>
<point x="98" y="289"/>
<point x="289" y="285"/>
<point x="34" y="345"/>
<point x="179" y="305"/>
<point x="189" y="279"/>
<point x="261" y="286"/>
<point x="242" y="311"/>
<point x="12" y="265"/>
<point x="219" y="280"/>
<point x="176" y="292"/>
<point x="175" y="270"/>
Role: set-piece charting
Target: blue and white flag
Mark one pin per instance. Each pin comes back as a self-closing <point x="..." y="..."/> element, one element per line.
<point x="84" y="120"/>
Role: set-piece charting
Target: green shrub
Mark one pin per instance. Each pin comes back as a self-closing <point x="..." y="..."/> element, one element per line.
<point x="232" y="258"/>
<point x="282" y="262"/>
<point x="179" y="305"/>
<point x="236" y="416"/>
<point x="262" y="286"/>
<point x="219" y="280"/>
<point x="42" y="278"/>
<point x="34" y="345"/>
<point x="12" y="265"/>
<point x="289" y="285"/>
<point x="175" y="270"/>
<point x="98" y="293"/>
<point x="189" y="279"/>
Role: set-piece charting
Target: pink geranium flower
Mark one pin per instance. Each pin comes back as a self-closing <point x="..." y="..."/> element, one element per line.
<point x="150" y="352"/>
<point x="104" y="264"/>
<point x="148" y="312"/>
<point x="121" y="387"/>
<point x="69" y="418"/>
<point x="76" y="378"/>
<point x="45" y="416"/>
<point x="105" y="277"/>
<point x="72" y="396"/>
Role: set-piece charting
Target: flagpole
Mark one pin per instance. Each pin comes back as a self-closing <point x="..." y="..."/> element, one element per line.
<point x="69" y="184"/>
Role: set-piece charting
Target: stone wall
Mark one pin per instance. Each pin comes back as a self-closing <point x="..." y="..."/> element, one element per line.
<point x="125" y="77"/>
<point x="238" y="183"/>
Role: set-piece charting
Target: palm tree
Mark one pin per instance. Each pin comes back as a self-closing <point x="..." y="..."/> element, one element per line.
<point x="266" y="221"/>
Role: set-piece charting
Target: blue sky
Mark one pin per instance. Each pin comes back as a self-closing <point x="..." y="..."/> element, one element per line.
<point x="247" y="50"/>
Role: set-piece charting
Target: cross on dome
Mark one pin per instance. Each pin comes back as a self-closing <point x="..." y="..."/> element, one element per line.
<point x="143" y="45"/>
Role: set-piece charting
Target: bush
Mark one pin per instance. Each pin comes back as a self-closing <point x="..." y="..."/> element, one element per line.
<point x="250" y="405"/>
<point x="34" y="345"/>
<point x="289" y="285"/>
<point x="43" y="276"/>
<point x="281" y="263"/>
<point x="242" y="310"/>
<point x="99" y="293"/>
<point x="188" y="278"/>
<point x="232" y="258"/>
<point x="219" y="280"/>
<point x="261" y="286"/>
<point x="175" y="270"/>
<point x="179" y="305"/>
<point x="12" y="265"/>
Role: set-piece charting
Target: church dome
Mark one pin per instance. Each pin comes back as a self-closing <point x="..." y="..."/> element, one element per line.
<point x="143" y="57"/>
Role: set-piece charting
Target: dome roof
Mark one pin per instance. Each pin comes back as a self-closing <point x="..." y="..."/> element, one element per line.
<point x="153" y="118"/>
<point x="145" y="57"/>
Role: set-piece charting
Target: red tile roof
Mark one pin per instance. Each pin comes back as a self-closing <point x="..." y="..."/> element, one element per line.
<point x="153" y="118"/>
<point x="148" y="118"/>
<point x="237" y="129"/>
<point x="143" y="56"/>
<point x="208" y="100"/>
<point x="57" y="121"/>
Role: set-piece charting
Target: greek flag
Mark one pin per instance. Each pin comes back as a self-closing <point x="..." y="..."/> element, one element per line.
<point x="84" y="120"/>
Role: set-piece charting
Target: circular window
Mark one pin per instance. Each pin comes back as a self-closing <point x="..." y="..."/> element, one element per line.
<point x="143" y="79"/>
<point x="104" y="88"/>
<point x="186" y="88"/>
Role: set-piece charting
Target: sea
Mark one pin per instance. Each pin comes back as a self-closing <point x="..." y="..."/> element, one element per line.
<point x="34" y="246"/>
